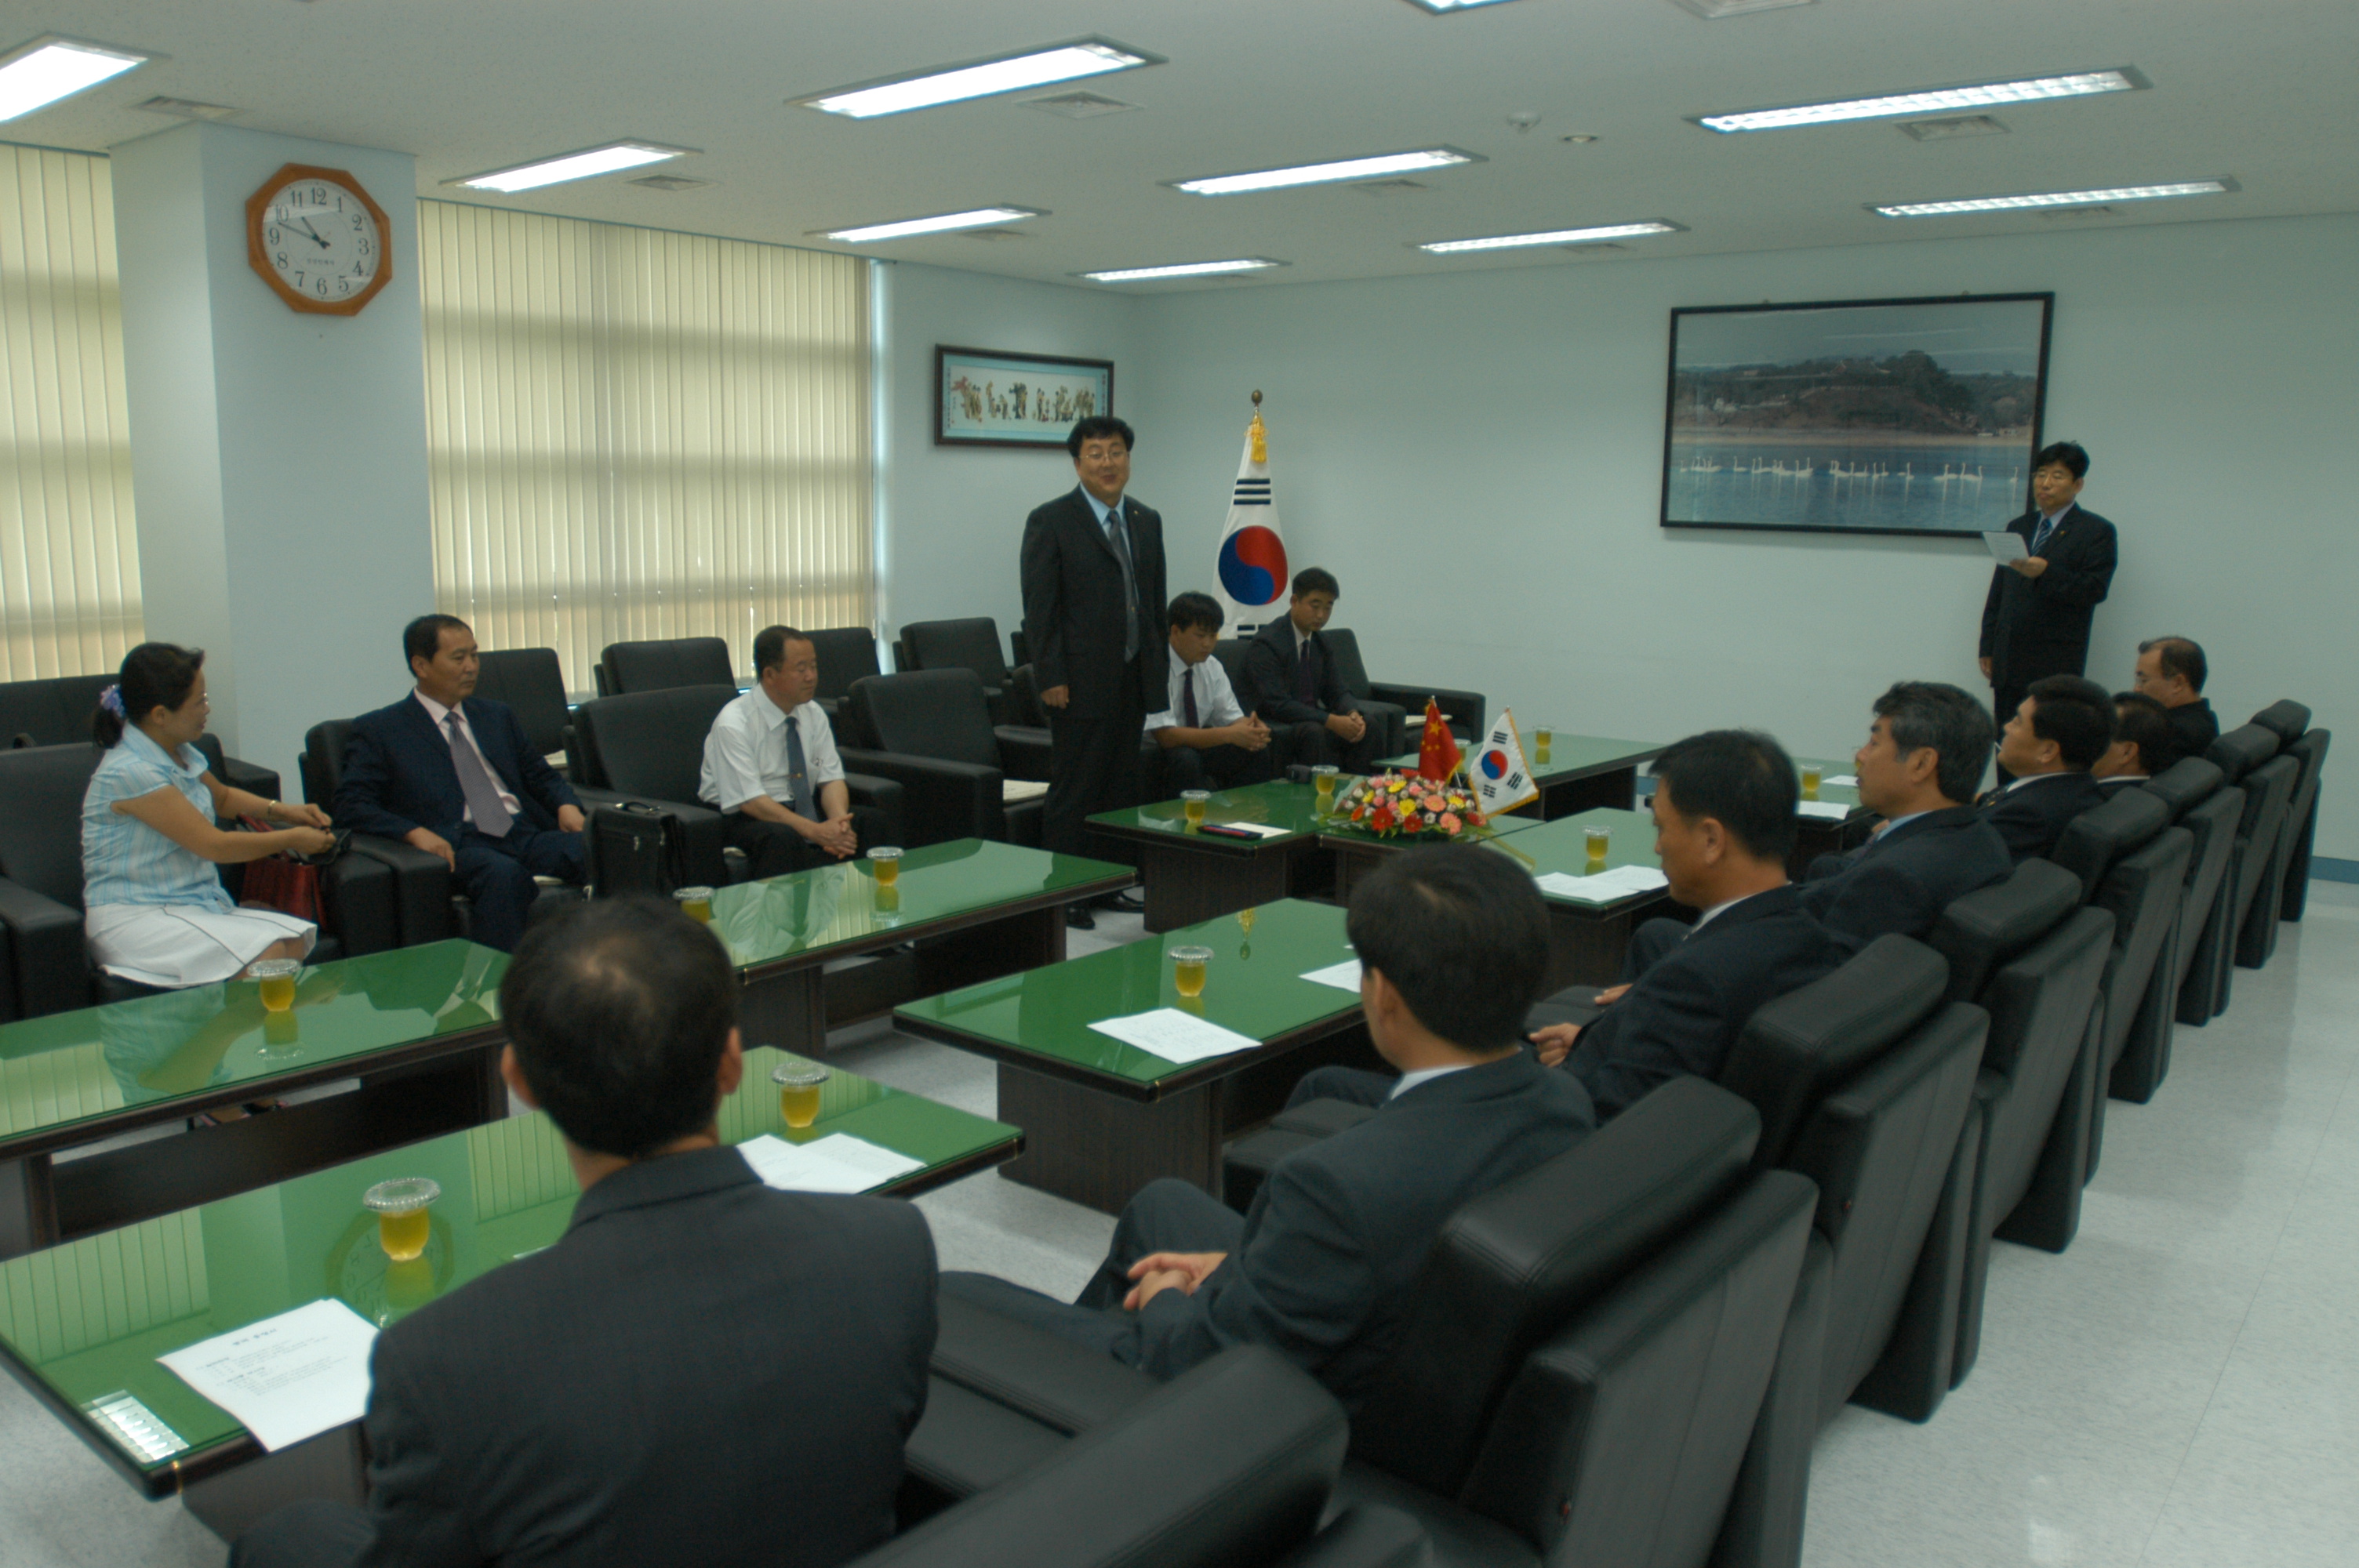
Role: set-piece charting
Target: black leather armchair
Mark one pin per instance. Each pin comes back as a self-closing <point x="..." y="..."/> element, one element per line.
<point x="41" y="887"/>
<point x="626" y="668"/>
<point x="970" y="644"/>
<point x="2033" y="961"/>
<point x="2300" y="829"/>
<point x="845" y="654"/>
<point x="2193" y="790"/>
<point x="932" y="735"/>
<point x="1465" y="708"/>
<point x="2251" y="758"/>
<point x="1230" y="1466"/>
<point x="56" y="713"/>
<point x="532" y="683"/>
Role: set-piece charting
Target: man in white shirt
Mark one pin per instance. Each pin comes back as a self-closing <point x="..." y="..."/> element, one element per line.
<point x="771" y="768"/>
<point x="1207" y="741"/>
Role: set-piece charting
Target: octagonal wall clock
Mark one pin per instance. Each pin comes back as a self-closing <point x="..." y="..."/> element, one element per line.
<point x="318" y="239"/>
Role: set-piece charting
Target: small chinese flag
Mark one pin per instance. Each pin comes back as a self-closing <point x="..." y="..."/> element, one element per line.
<point x="1437" y="754"/>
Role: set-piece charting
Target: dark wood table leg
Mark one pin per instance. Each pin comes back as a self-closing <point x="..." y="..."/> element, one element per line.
<point x="1184" y="886"/>
<point x="1585" y="946"/>
<point x="330" y="1466"/>
<point x="28" y="1206"/>
<point x="1353" y="864"/>
<point x="1098" y="1150"/>
<point x="788" y="1010"/>
<point x="1617" y="790"/>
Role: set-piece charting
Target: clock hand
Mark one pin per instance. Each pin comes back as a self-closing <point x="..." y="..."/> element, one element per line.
<point x="314" y="233"/>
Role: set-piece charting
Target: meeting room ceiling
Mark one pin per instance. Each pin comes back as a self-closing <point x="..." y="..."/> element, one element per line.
<point x="2260" y="89"/>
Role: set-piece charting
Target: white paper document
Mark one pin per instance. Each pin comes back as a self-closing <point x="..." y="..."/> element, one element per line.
<point x="286" y="1378"/>
<point x="2005" y="545"/>
<point x="1825" y="810"/>
<point x="1842" y="781"/>
<point x="1174" y="1035"/>
<point x="1259" y="829"/>
<point x="1344" y="976"/>
<point x="1012" y="790"/>
<point x="1605" y="887"/>
<point x="838" y="1162"/>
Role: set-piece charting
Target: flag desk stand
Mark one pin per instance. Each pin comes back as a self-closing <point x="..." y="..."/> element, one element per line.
<point x="959" y="912"/>
<point x="1829" y="836"/>
<point x="1194" y="876"/>
<point x="1582" y="771"/>
<point x="81" y="1325"/>
<point x="1586" y="940"/>
<point x="419" y="1027"/>
<point x="1357" y="852"/>
<point x="1100" y="1118"/>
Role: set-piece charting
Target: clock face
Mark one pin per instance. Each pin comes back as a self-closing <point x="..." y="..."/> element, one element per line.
<point x="321" y="241"/>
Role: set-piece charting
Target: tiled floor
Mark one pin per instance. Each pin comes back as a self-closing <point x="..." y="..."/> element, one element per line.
<point x="2181" y="1389"/>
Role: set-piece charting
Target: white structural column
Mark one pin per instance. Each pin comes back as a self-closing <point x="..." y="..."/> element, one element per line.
<point x="279" y="458"/>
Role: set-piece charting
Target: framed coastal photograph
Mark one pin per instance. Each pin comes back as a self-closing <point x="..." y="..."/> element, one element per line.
<point x="1856" y="416"/>
<point x="986" y="398"/>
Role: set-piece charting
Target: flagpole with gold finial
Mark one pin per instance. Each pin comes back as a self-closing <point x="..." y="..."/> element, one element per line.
<point x="1256" y="434"/>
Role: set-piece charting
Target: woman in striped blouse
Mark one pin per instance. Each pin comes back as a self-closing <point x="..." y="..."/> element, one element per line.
<point x="156" y="910"/>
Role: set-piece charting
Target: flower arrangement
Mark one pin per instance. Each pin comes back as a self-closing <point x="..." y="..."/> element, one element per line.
<point x="1390" y="805"/>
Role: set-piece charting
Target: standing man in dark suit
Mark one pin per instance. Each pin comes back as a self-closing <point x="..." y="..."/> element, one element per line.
<point x="639" y="1391"/>
<point x="1094" y="602"/>
<point x="1723" y="825"/>
<point x="1453" y="945"/>
<point x="2036" y="617"/>
<point x="451" y="772"/>
<point x="2172" y="670"/>
<point x="1918" y="770"/>
<point x="2058" y="733"/>
<point x="1294" y="683"/>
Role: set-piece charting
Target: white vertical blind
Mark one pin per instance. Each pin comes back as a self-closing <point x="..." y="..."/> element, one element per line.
<point x="68" y="550"/>
<point x="637" y="434"/>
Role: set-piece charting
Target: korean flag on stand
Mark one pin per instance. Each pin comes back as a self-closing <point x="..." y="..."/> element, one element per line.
<point x="1251" y="563"/>
<point x="1501" y="778"/>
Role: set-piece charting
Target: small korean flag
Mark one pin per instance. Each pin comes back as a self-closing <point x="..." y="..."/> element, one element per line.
<point x="1502" y="780"/>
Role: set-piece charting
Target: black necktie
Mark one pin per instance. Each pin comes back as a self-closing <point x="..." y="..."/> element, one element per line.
<point x="1119" y="537"/>
<point x="797" y="783"/>
<point x="1306" y="673"/>
<point x="1188" y="693"/>
<point x="2039" y="535"/>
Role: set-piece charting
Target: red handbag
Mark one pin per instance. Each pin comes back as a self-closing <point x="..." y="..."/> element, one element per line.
<point x="283" y="882"/>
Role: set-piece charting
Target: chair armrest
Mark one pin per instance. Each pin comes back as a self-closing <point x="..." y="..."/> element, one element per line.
<point x="1022" y="752"/>
<point x="1466" y="710"/>
<point x="1230" y="1463"/>
<point x="1398" y="736"/>
<point x="940" y="800"/>
<point x="1365" y="1536"/>
<point x="251" y="777"/>
<point x="882" y="795"/>
<point x="703" y="836"/>
<point x="363" y="907"/>
<point x="51" y="958"/>
<point x="1057" y="1381"/>
<point x="421" y="889"/>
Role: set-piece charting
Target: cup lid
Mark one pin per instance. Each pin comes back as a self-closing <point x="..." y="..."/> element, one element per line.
<point x="691" y="892"/>
<point x="798" y="1073"/>
<point x="401" y="1195"/>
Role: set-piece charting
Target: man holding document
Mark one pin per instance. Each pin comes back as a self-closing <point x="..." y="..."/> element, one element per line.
<point x="697" y="1354"/>
<point x="1319" y="1270"/>
<point x="2056" y="566"/>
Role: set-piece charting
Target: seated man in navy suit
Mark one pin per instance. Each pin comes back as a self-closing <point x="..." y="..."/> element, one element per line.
<point x="1296" y="689"/>
<point x="1723" y="825"/>
<point x="451" y="772"/>
<point x="2057" y="734"/>
<point x="1454" y="945"/>
<point x="2145" y="743"/>
<point x="1924" y="756"/>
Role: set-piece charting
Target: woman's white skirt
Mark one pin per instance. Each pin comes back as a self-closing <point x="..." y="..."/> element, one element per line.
<point x="176" y="944"/>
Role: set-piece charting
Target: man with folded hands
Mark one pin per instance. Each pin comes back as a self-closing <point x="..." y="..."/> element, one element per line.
<point x="1453" y="945"/>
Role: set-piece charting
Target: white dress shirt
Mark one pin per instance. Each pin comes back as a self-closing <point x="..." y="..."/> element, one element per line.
<point x="438" y="714"/>
<point x="746" y="753"/>
<point x="1408" y="1081"/>
<point x="1706" y="917"/>
<point x="1216" y="700"/>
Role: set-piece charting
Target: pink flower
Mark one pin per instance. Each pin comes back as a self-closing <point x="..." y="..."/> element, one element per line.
<point x="1433" y="803"/>
<point x="1449" y="823"/>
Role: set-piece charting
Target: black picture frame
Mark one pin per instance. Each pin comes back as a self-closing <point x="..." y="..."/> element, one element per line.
<point x="1862" y="426"/>
<point x="993" y="411"/>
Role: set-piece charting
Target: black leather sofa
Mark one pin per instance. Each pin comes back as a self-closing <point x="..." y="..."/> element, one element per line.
<point x="56" y="713"/>
<point x="970" y="643"/>
<point x="626" y="668"/>
<point x="930" y="732"/>
<point x="532" y="683"/>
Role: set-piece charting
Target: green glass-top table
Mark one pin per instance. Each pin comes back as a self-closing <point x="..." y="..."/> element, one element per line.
<point x="1102" y="1117"/>
<point x="81" y="1323"/>
<point x="418" y="1026"/>
<point x="1579" y="771"/>
<point x="1586" y="940"/>
<point x="959" y="912"/>
<point x="1191" y="875"/>
<point x="1358" y="852"/>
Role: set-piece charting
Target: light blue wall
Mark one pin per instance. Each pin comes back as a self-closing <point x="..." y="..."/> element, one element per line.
<point x="1478" y="457"/>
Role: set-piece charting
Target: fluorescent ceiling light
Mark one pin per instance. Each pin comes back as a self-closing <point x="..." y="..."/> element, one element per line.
<point x="1181" y="269"/>
<point x="1554" y="237"/>
<point x="1932" y="100"/>
<point x="1443" y="7"/>
<point x="1323" y="173"/>
<point x="582" y="165"/>
<point x="981" y="79"/>
<point x="49" y="69"/>
<point x="2056" y="199"/>
<point x="980" y="218"/>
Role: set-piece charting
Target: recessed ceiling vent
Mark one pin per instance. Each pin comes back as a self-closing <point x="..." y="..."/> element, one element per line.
<point x="994" y="234"/>
<point x="1606" y="248"/>
<point x="2064" y="212"/>
<point x="1390" y="187"/>
<point x="1714" y="10"/>
<point x="670" y="182"/>
<point x="1078" y="106"/>
<point x="188" y="109"/>
<point x="1952" y="129"/>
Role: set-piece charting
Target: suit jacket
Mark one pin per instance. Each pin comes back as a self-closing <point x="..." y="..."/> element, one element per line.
<point x="1901" y="880"/>
<point x="398" y="774"/>
<point x="1338" y="1233"/>
<point x="1273" y="674"/>
<point x="2039" y="626"/>
<point x="1685" y="1011"/>
<point x="641" y="1391"/>
<point x="1073" y="620"/>
<point x="2195" y="725"/>
<point x="2031" y="815"/>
